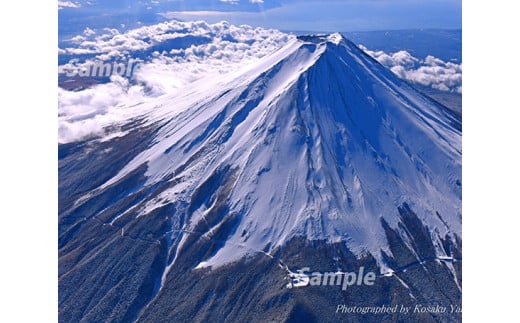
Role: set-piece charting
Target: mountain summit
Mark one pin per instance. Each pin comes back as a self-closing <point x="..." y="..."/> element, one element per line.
<point x="315" y="156"/>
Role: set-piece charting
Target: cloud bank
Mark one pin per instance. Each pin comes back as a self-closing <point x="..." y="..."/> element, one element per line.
<point x="170" y="55"/>
<point x="432" y="72"/>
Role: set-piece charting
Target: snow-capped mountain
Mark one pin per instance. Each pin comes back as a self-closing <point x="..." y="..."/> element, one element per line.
<point x="314" y="156"/>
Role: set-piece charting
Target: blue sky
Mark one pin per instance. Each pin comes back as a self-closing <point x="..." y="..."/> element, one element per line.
<point x="289" y="15"/>
<point x="328" y="15"/>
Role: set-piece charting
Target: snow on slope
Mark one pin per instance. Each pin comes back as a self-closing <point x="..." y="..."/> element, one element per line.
<point x="315" y="140"/>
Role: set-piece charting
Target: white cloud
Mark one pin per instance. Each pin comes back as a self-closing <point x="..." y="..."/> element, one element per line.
<point x="67" y="4"/>
<point x="194" y="14"/>
<point x="89" y="32"/>
<point x="87" y="113"/>
<point x="432" y="71"/>
<point x="78" y="39"/>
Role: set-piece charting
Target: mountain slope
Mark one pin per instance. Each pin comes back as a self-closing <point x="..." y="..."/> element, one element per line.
<point x="316" y="148"/>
